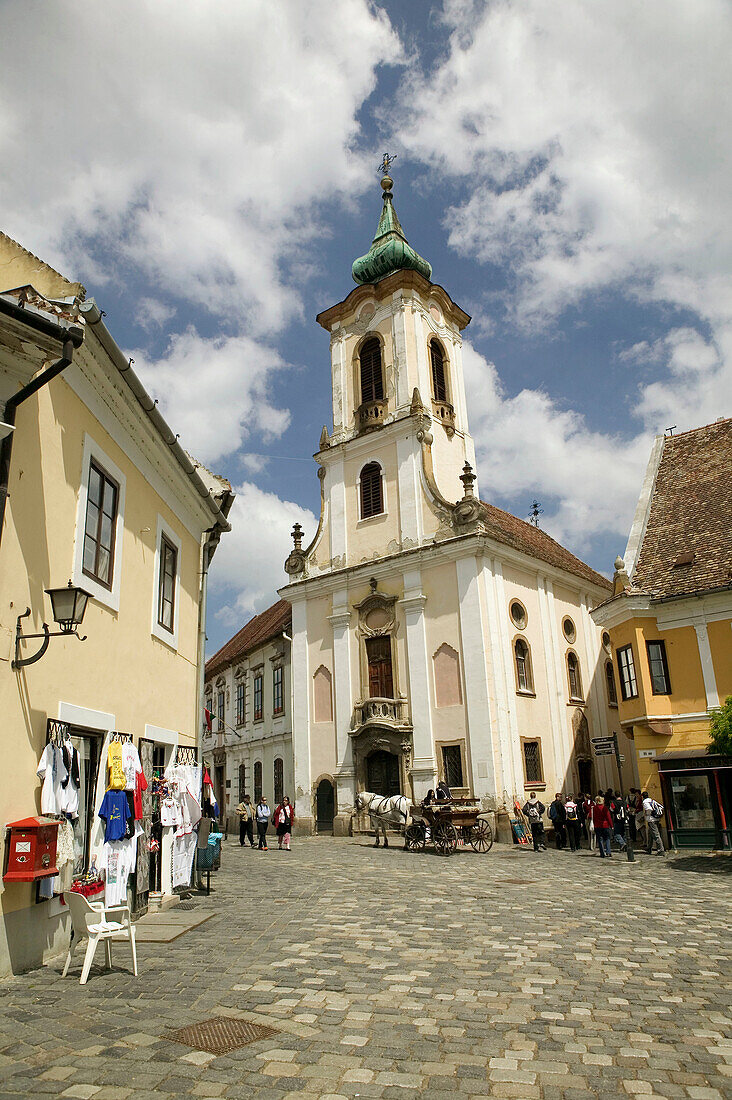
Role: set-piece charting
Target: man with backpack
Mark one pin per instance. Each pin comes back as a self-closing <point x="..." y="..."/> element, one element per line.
<point x="533" y="811"/>
<point x="558" y="818"/>
<point x="572" y="811"/>
<point x="617" y="810"/>
<point x="653" y="812"/>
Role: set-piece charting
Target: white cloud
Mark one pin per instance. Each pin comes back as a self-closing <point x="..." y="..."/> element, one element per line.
<point x="214" y="392"/>
<point x="249" y="563"/>
<point x="192" y="141"/>
<point x="152" y="314"/>
<point x="593" y="139"/>
<point x="527" y="444"/>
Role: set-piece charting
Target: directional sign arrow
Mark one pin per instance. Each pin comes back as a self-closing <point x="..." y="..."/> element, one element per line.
<point x="604" y="752"/>
<point x="603" y="740"/>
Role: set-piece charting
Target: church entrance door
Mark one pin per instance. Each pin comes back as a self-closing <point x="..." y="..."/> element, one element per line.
<point x="382" y="773"/>
<point x="325" y="806"/>
<point x="584" y="770"/>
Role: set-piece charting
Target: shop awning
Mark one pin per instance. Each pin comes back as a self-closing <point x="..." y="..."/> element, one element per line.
<point x="691" y="759"/>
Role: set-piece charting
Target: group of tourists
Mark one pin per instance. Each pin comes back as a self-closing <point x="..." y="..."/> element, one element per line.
<point x="599" y="821"/>
<point x="260" y="815"/>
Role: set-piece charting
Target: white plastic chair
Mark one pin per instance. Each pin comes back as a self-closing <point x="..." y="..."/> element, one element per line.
<point x="91" y="920"/>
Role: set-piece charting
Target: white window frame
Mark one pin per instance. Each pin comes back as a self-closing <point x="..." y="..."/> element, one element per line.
<point x="169" y="637"/>
<point x="384" y="501"/>
<point x="107" y="596"/>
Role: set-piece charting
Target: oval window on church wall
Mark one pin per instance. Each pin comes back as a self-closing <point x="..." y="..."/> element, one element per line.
<point x="448" y="690"/>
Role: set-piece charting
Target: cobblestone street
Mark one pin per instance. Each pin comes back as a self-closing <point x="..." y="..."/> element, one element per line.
<point x="386" y="974"/>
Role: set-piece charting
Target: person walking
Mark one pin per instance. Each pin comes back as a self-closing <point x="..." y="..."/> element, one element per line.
<point x="617" y="809"/>
<point x="653" y="812"/>
<point x="571" y="810"/>
<point x="245" y="812"/>
<point x="602" y="819"/>
<point x="558" y="817"/>
<point x="263" y="813"/>
<point x="533" y="811"/>
<point x="284" y="817"/>
<point x="587" y="805"/>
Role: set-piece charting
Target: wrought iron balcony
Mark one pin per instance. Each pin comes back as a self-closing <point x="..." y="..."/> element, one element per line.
<point x="372" y="414"/>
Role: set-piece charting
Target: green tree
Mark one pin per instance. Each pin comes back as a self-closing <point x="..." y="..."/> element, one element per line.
<point x="720" y="729"/>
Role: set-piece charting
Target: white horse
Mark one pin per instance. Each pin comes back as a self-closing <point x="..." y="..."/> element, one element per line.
<point x="383" y="811"/>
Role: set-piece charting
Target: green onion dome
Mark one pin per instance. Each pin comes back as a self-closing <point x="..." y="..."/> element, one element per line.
<point x="389" y="250"/>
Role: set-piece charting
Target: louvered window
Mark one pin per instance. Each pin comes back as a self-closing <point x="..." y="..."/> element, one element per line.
<point x="372" y="503"/>
<point x="523" y="666"/>
<point x="372" y="380"/>
<point x="437" y="362"/>
<point x="573" y="673"/>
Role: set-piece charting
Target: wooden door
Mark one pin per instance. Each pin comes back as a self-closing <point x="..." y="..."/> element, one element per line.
<point x="378" y="651"/>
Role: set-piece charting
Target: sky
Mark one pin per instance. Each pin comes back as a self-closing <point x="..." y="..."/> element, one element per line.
<point x="208" y="170"/>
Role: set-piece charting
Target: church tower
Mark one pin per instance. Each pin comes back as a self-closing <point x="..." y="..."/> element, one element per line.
<point x="399" y="623"/>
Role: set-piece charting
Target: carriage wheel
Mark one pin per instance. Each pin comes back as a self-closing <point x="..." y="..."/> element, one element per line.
<point x="445" y="838"/>
<point x="481" y="836"/>
<point x="414" y="838"/>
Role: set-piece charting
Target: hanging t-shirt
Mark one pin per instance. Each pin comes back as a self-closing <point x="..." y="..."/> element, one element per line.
<point x="140" y="786"/>
<point x="117" y="860"/>
<point x="131" y="764"/>
<point x="117" y="778"/>
<point x="114" y="812"/>
<point x="170" y="812"/>
<point x="52" y="771"/>
<point x="70" y="781"/>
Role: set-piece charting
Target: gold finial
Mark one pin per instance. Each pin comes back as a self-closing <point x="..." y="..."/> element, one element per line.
<point x="387" y="182"/>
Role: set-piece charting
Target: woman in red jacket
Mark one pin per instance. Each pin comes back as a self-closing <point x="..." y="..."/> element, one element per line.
<point x="284" y="819"/>
<point x="602" y="819"/>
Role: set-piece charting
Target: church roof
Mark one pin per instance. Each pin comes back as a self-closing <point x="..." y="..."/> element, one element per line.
<point x="390" y="251"/>
<point x="687" y="543"/>
<point x="523" y="536"/>
<point x="262" y="628"/>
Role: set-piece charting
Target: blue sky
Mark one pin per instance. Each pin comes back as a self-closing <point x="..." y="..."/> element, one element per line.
<point x="209" y="172"/>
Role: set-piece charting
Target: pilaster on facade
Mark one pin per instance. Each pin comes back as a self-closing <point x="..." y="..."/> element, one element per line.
<point x="554" y="674"/>
<point x="423" y="761"/>
<point x="410" y="512"/>
<point x="595" y="684"/>
<point x="707" y="664"/>
<point x="511" y="757"/>
<point x="301" y="714"/>
<point x="399" y="352"/>
<point x="481" y="722"/>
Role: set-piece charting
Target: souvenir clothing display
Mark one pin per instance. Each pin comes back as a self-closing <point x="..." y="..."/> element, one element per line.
<point x="114" y="811"/>
<point x="116" y="779"/>
<point x="59" y="770"/>
<point x="130" y="764"/>
<point x="118" y="860"/>
<point x="140" y="786"/>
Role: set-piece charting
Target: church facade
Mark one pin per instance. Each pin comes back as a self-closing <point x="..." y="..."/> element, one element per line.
<point x="433" y="635"/>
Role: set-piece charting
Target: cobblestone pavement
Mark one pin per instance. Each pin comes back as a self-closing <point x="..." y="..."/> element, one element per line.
<point x="387" y="974"/>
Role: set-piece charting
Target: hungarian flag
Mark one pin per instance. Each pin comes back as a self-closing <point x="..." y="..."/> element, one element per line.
<point x="208" y="719"/>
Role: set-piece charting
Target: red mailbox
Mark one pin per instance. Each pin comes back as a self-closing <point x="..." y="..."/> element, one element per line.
<point x="32" y="849"/>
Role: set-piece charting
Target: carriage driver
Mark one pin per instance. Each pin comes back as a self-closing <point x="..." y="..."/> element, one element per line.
<point x="444" y="794"/>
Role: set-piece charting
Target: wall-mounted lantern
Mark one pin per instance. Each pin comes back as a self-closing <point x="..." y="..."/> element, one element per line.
<point x="68" y="605"/>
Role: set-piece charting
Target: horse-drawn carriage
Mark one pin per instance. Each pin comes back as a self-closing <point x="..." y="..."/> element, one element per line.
<point x="445" y="823"/>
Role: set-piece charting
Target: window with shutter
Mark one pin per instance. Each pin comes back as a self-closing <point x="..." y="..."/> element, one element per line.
<point x="573" y="673"/>
<point x="372" y="503"/>
<point x="372" y="378"/>
<point x="437" y="362"/>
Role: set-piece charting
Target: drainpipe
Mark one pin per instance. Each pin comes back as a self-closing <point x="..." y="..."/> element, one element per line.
<point x="11" y="405"/>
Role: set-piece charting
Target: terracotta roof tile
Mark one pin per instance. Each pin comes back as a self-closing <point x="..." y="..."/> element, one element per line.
<point x="689" y="516"/>
<point x="515" y="532"/>
<point x="262" y="628"/>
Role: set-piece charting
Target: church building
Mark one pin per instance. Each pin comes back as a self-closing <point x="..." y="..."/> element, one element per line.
<point x="433" y="635"/>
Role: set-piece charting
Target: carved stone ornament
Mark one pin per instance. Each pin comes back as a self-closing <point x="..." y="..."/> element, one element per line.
<point x="295" y="562"/>
<point x="377" y="613"/>
<point x="468" y="511"/>
<point x="423" y="419"/>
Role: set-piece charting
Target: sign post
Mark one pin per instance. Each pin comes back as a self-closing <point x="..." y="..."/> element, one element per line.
<point x="608" y="746"/>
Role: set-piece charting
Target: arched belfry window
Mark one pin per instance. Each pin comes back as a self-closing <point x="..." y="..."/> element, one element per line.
<point x="437" y="364"/>
<point x="372" y="494"/>
<point x="372" y="377"/>
<point x="522" y="658"/>
<point x="574" y="676"/>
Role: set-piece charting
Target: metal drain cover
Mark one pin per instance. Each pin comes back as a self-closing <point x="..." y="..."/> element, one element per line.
<point x="186" y="905"/>
<point x="220" y="1035"/>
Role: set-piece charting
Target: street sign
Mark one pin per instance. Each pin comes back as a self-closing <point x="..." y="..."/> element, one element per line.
<point x="604" y="752"/>
<point x="603" y="740"/>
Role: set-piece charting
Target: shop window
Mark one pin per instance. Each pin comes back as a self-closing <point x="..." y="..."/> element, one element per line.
<point x="240" y="703"/>
<point x="452" y="765"/>
<point x="258" y="697"/>
<point x="168" y="571"/>
<point x="372" y="377"/>
<point x="626" y="668"/>
<point x="279" y="780"/>
<point x="658" y="668"/>
<point x="100" y="525"/>
<point x="378" y="654"/>
<point x="257" y="780"/>
<point x="242" y="781"/>
<point x="371" y="491"/>
<point x="522" y="659"/>
<point x="612" y="695"/>
<point x="574" y="676"/>
<point x="278" y="701"/>
<point x="437" y="365"/>
<point x="533" y="770"/>
<point x="221" y="709"/>
<point x="323" y="695"/>
<point x="448" y="690"/>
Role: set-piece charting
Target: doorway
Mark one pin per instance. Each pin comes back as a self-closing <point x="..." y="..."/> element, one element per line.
<point x="584" y="771"/>
<point x="378" y="653"/>
<point x="324" y="807"/>
<point x="382" y="773"/>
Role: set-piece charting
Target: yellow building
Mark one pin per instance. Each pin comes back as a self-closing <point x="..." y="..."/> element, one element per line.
<point x="669" y="623"/>
<point x="96" y="491"/>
